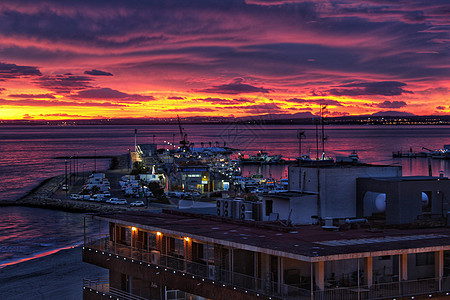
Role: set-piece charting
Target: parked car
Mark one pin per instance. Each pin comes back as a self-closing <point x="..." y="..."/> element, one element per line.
<point x="111" y="200"/>
<point x="119" y="202"/>
<point x="137" y="203"/>
<point x="75" y="197"/>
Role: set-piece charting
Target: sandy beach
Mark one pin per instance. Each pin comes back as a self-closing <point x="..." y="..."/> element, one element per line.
<point x="56" y="276"/>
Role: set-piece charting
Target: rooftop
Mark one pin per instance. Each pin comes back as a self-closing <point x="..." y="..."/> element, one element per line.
<point x="307" y="243"/>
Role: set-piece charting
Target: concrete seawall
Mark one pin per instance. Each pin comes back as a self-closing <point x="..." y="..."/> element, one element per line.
<point x="48" y="195"/>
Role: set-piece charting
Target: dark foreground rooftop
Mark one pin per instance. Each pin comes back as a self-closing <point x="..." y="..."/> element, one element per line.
<point x="307" y="243"/>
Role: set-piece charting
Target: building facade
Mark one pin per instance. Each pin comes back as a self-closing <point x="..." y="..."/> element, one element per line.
<point x="175" y="255"/>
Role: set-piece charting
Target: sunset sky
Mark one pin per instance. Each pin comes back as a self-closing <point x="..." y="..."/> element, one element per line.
<point x="79" y="59"/>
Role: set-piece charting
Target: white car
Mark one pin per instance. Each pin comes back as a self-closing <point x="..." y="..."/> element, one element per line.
<point x="119" y="202"/>
<point x="137" y="203"/>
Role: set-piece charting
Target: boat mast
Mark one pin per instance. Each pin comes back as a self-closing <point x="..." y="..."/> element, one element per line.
<point x="322" y="108"/>
<point x="317" y="138"/>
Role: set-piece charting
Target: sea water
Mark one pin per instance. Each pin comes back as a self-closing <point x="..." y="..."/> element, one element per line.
<point x="28" y="156"/>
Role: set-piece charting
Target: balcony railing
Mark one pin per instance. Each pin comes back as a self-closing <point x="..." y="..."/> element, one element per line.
<point x="219" y="276"/>
<point x="102" y="286"/>
<point x="268" y="287"/>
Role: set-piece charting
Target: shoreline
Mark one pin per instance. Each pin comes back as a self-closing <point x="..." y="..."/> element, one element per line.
<point x="41" y="196"/>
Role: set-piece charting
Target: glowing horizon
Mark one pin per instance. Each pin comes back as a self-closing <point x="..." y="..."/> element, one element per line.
<point x="88" y="60"/>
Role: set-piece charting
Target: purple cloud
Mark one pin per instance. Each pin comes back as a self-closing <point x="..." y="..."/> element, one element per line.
<point x="393" y="104"/>
<point x="235" y="87"/>
<point x="49" y="103"/>
<point x="10" y="71"/>
<point x="382" y="88"/>
<point x="65" y="83"/>
<point x="98" y="73"/>
<point x="191" y="109"/>
<point x="107" y="93"/>
<point x="315" y="101"/>
<point x="224" y="101"/>
<point x="32" y="96"/>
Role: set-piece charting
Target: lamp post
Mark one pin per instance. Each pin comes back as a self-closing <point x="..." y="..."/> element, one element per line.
<point x="70" y="170"/>
<point x="65" y="164"/>
<point x="129" y="159"/>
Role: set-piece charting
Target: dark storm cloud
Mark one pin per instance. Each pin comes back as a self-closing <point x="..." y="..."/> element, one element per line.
<point x="65" y="83"/>
<point x="107" y="93"/>
<point x="393" y="104"/>
<point x="235" y="87"/>
<point x="32" y="96"/>
<point x="315" y="101"/>
<point x="98" y="73"/>
<point x="10" y="71"/>
<point x="383" y="88"/>
<point x="441" y="108"/>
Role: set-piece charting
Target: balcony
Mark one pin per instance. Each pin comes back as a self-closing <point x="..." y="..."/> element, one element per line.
<point x="101" y="288"/>
<point x="252" y="287"/>
<point x="255" y="287"/>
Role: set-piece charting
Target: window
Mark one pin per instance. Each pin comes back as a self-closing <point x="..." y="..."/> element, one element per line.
<point x="152" y="240"/>
<point x="269" y="207"/>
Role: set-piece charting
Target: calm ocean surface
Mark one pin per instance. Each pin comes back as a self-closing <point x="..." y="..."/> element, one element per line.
<point x="27" y="156"/>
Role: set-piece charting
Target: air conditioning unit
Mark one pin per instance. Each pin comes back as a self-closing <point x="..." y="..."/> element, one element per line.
<point x="246" y="211"/>
<point x="219" y="206"/>
<point x="236" y="207"/>
<point x="257" y="211"/>
<point x="246" y="215"/>
<point x="154" y="257"/>
<point x="227" y="208"/>
<point x="211" y="272"/>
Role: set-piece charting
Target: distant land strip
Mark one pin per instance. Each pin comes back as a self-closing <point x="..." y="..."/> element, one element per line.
<point x="85" y="157"/>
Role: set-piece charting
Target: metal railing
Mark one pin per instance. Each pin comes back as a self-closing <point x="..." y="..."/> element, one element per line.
<point x="266" y="286"/>
<point x="384" y="290"/>
<point x="102" y="286"/>
<point x="203" y="270"/>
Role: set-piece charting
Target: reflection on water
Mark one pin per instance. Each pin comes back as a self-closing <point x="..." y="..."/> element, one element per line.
<point x="32" y="232"/>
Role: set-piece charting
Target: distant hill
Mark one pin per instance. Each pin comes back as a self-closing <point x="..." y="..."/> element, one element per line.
<point x="392" y="113"/>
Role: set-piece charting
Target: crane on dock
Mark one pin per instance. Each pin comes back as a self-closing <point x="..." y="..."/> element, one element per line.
<point x="184" y="142"/>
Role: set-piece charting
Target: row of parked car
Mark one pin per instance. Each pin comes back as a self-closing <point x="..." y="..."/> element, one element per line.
<point x="115" y="201"/>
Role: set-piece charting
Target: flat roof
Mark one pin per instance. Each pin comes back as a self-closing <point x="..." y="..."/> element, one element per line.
<point x="306" y="243"/>
<point x="406" y="178"/>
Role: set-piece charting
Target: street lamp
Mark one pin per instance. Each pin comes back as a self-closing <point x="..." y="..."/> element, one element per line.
<point x="65" y="164"/>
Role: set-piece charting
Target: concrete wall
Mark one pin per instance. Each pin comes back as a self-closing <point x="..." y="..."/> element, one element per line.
<point x="303" y="208"/>
<point x="404" y="197"/>
<point x="336" y="185"/>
